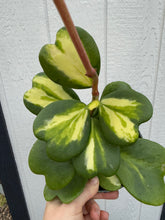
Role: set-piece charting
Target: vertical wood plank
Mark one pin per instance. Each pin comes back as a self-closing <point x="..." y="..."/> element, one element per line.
<point x="134" y="30"/>
<point x="23" y="32"/>
<point x="131" y="42"/>
<point x="123" y="37"/>
<point x="158" y="121"/>
<point x="91" y="16"/>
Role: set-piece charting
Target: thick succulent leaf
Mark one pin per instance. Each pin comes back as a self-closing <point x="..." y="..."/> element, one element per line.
<point x="142" y="169"/>
<point x="65" y="126"/>
<point x="69" y="192"/>
<point x="44" y="91"/>
<point x="112" y="87"/>
<point x="99" y="157"/>
<point x="62" y="64"/>
<point x="121" y="112"/>
<point x="111" y="183"/>
<point x="57" y="174"/>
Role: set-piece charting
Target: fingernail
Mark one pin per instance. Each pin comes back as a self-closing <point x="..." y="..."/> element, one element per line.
<point x="94" y="180"/>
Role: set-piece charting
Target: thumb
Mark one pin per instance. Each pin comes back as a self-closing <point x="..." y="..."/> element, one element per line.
<point x="89" y="192"/>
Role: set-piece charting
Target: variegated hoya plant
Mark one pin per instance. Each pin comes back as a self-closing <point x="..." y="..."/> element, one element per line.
<point x="76" y="142"/>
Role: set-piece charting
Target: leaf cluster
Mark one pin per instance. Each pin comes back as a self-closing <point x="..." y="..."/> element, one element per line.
<point x="76" y="142"/>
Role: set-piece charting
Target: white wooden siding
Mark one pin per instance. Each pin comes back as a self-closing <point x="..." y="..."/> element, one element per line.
<point x="131" y="38"/>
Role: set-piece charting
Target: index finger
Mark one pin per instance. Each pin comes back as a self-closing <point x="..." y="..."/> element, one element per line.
<point x="107" y="195"/>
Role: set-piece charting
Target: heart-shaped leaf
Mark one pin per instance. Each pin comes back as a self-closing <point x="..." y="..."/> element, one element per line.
<point x="65" y="125"/>
<point x="111" y="183"/>
<point x="69" y="192"/>
<point x="142" y="169"/>
<point x="44" y="91"/>
<point x="99" y="157"/>
<point x="62" y="64"/>
<point x="57" y="175"/>
<point x="121" y="112"/>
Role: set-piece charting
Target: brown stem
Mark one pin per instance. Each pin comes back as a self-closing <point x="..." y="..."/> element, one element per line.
<point x="95" y="92"/>
<point x="90" y="71"/>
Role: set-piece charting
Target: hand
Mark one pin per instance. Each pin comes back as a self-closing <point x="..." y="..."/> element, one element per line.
<point x="83" y="207"/>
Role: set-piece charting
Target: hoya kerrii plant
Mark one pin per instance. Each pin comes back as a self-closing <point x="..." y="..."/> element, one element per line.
<point x="75" y="141"/>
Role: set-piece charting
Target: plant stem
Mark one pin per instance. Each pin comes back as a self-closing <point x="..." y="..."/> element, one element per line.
<point x="67" y="20"/>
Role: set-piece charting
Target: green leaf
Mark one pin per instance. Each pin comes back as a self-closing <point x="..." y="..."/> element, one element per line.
<point x="121" y="112"/>
<point x="69" y="192"/>
<point x="112" y="87"/>
<point x="111" y="183"/>
<point x="57" y="175"/>
<point x="44" y="91"/>
<point x="142" y="169"/>
<point x="65" y="126"/>
<point x="62" y="64"/>
<point x="99" y="157"/>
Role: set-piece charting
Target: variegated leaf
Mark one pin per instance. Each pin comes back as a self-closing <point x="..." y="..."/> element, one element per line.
<point x="44" y="91"/>
<point x="57" y="174"/>
<point x="99" y="157"/>
<point x="62" y="64"/>
<point x="69" y="192"/>
<point x="111" y="183"/>
<point x="65" y="126"/>
<point x="142" y="171"/>
<point x="121" y="112"/>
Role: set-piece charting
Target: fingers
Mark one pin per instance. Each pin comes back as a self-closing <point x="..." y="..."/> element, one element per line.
<point x="104" y="215"/>
<point x="94" y="212"/>
<point x="107" y="195"/>
<point x="93" y="209"/>
<point x="90" y="191"/>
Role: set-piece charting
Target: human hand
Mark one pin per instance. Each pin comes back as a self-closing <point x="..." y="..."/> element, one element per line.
<point x="83" y="207"/>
